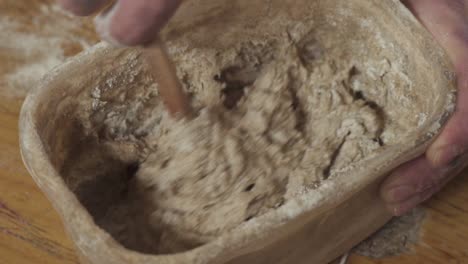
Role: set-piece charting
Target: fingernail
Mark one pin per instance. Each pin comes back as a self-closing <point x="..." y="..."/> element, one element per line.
<point x="399" y="208"/>
<point x="447" y="157"/>
<point x="399" y="193"/>
<point x="395" y="210"/>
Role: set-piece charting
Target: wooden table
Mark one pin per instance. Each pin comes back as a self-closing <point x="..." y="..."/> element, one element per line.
<point x="31" y="231"/>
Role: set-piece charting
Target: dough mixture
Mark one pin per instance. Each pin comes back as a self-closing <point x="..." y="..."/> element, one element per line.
<point x="276" y="132"/>
<point x="277" y="113"/>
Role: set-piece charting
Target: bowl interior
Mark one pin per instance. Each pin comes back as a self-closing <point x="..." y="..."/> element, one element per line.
<point x="96" y="115"/>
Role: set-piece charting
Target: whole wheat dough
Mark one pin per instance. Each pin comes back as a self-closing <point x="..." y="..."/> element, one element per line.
<point x="281" y="107"/>
<point x="289" y="116"/>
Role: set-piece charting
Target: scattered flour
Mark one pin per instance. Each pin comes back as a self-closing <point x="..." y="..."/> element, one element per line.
<point x="395" y="238"/>
<point x="32" y="48"/>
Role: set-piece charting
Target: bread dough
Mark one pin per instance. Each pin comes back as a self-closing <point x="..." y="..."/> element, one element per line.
<point x="281" y="107"/>
<point x="290" y="116"/>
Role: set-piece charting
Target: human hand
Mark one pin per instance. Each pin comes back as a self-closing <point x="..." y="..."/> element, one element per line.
<point x="418" y="180"/>
<point x="128" y="22"/>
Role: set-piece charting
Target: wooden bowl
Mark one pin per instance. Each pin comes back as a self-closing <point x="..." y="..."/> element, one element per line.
<point x="62" y="139"/>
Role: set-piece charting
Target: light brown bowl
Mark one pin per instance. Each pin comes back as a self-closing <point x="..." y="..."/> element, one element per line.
<point x="314" y="228"/>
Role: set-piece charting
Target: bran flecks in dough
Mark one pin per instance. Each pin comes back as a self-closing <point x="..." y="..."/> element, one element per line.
<point x="279" y="110"/>
<point x="279" y="129"/>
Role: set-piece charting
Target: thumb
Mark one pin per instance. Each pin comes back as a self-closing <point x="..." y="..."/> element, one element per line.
<point x="132" y="23"/>
<point x="453" y="141"/>
<point x="448" y="23"/>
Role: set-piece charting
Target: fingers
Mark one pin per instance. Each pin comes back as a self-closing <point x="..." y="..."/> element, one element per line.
<point x="129" y="22"/>
<point x="415" y="182"/>
<point x="448" y="22"/>
<point x="453" y="142"/>
<point x="419" y="179"/>
<point x="135" y="22"/>
<point x="82" y="7"/>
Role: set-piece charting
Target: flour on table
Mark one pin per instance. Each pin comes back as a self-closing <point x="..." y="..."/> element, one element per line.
<point x="395" y="238"/>
<point x="34" y="47"/>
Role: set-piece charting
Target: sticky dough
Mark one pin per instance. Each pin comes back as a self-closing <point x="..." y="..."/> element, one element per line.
<point x="280" y="108"/>
<point x="288" y="116"/>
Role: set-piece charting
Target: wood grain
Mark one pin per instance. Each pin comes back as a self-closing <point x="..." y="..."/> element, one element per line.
<point x="31" y="231"/>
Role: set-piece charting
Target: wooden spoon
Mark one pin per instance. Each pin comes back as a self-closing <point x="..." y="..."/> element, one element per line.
<point x="164" y="72"/>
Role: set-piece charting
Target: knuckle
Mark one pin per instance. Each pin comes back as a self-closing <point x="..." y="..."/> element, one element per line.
<point x="431" y="184"/>
<point x="428" y="193"/>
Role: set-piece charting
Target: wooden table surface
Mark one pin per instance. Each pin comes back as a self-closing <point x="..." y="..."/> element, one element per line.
<point x="31" y="231"/>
